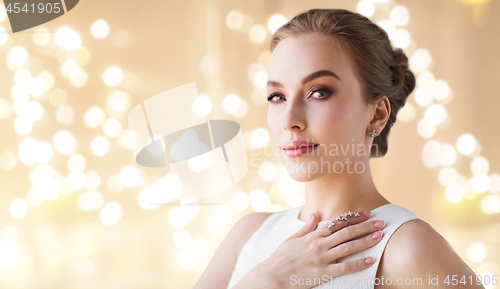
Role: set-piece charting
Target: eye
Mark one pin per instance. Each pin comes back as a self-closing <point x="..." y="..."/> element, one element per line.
<point x="322" y="93"/>
<point x="269" y="98"/>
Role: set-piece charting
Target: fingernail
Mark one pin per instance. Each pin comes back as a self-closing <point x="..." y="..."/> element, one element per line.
<point x="310" y="216"/>
<point x="379" y="224"/>
<point x="366" y="214"/>
<point x="377" y="235"/>
<point x="368" y="260"/>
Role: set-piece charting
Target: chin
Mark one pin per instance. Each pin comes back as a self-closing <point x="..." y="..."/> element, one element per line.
<point x="300" y="172"/>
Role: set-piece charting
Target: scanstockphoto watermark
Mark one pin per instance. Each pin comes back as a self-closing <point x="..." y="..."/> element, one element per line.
<point x="430" y="280"/>
<point x="350" y="149"/>
<point x="313" y="167"/>
<point x="334" y="158"/>
<point x="295" y="280"/>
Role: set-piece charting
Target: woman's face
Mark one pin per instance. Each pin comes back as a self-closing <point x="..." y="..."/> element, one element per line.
<point x="327" y="109"/>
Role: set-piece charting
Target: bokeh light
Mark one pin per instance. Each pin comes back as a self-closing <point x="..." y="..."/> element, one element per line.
<point x="112" y="127"/>
<point x="275" y="22"/>
<point x="454" y="193"/>
<point x="259" y="200"/>
<point x="208" y="64"/>
<point x="479" y="164"/>
<point x="18" y="208"/>
<point x="257" y="34"/>
<point x="476" y="252"/>
<point x="235" y="20"/>
<point x="401" y="38"/>
<point x="426" y="128"/>
<point x="78" y="77"/>
<point x="111" y="213"/>
<point x="466" y="144"/>
<point x="435" y="113"/>
<point x="44" y="152"/>
<point x="480" y="182"/>
<point x="423" y="96"/>
<point x="431" y="154"/>
<point x="100" y="29"/>
<point x="91" y="201"/>
<point x="27" y="151"/>
<point x="17" y="56"/>
<point x="129" y="175"/>
<point x="202" y="105"/>
<point x="366" y="8"/>
<point x="490" y="204"/>
<point x="93" y="180"/>
<point x="268" y="172"/>
<point x="399" y="15"/>
<point x="64" y="142"/>
<point x="494" y="183"/>
<point x="68" y="39"/>
<point x="231" y="103"/>
<point x="421" y="59"/>
<point x="65" y="114"/>
<point x="100" y="146"/>
<point x="240" y="201"/>
<point x="8" y="160"/>
<point x="94" y="117"/>
<point x="407" y="113"/>
<point x="440" y="89"/>
<point x="388" y="26"/>
<point x="448" y="175"/>
<point x="113" y="76"/>
<point x="76" y="162"/>
<point x="260" y="137"/>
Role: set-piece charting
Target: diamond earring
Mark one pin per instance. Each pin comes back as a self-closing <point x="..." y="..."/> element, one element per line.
<point x="373" y="133"/>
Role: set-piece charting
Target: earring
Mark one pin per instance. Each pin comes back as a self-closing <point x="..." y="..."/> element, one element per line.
<point x="373" y="133"/>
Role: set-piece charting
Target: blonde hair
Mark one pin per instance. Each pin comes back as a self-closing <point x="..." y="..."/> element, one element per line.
<point x="380" y="69"/>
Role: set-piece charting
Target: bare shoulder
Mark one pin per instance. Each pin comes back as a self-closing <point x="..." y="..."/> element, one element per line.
<point x="416" y="252"/>
<point x="221" y="266"/>
<point x="246" y="227"/>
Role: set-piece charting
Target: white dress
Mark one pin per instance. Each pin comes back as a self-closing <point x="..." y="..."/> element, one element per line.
<point x="280" y="225"/>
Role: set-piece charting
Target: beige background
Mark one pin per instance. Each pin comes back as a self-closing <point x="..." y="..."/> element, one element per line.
<point x="159" y="45"/>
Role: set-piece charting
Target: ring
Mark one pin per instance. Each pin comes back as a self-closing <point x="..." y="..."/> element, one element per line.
<point x="343" y="217"/>
<point x="330" y="226"/>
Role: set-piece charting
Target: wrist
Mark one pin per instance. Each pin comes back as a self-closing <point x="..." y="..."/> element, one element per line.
<point x="263" y="278"/>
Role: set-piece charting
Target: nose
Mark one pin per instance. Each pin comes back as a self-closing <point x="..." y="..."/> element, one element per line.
<point x="293" y="119"/>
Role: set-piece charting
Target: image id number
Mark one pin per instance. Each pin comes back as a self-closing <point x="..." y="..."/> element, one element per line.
<point x="40" y="8"/>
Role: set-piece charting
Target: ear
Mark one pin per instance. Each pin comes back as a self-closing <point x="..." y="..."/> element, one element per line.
<point x="381" y="113"/>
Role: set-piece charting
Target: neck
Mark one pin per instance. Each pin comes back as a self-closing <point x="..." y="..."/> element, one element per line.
<point x="334" y="194"/>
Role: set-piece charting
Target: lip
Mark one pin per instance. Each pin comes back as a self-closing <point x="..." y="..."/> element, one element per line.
<point x="298" y="148"/>
<point x="295" y="144"/>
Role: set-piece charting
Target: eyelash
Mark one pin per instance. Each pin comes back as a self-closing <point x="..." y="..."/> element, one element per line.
<point x="314" y="91"/>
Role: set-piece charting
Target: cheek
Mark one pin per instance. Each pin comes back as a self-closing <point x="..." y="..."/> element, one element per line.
<point x="272" y="122"/>
<point x="337" y="120"/>
<point x="334" y="115"/>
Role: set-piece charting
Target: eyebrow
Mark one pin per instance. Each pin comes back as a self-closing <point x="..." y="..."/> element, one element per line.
<point x="308" y="78"/>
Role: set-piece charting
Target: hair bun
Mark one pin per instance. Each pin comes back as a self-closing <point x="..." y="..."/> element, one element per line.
<point x="404" y="79"/>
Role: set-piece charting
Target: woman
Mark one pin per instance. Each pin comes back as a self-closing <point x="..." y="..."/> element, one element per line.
<point x="335" y="86"/>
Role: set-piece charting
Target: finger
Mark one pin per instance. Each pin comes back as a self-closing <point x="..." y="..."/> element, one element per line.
<point x="348" y="248"/>
<point x="363" y="216"/>
<point x="325" y="232"/>
<point x="308" y="227"/>
<point x="354" y="231"/>
<point x="342" y="268"/>
<point x="346" y="220"/>
<point x="354" y="246"/>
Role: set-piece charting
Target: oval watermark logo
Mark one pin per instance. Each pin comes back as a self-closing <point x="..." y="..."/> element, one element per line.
<point x="26" y="14"/>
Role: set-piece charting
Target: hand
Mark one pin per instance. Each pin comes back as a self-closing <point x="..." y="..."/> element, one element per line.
<point x="311" y="253"/>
